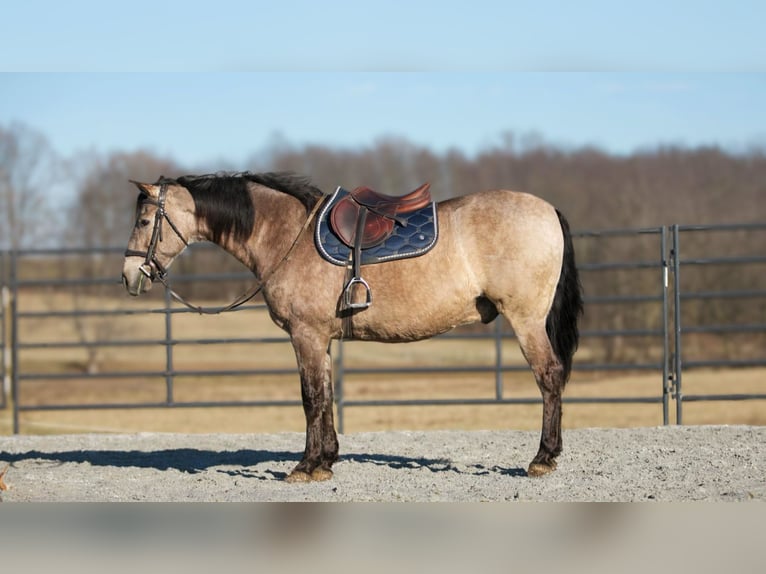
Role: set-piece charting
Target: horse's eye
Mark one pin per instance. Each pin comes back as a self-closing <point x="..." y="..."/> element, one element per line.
<point x="143" y="222"/>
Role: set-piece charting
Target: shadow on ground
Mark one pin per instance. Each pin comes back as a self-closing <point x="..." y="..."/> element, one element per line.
<point x="194" y="461"/>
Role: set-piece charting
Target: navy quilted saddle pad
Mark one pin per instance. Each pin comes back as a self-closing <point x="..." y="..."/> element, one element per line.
<point x="417" y="237"/>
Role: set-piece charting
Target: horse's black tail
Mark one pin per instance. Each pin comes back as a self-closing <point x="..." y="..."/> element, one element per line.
<point x="561" y="324"/>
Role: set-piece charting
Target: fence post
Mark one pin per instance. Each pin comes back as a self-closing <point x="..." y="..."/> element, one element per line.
<point x="6" y="360"/>
<point x="677" y="363"/>
<point x="168" y="348"/>
<point x="14" y="340"/>
<point x="499" y="358"/>
<point x="666" y="374"/>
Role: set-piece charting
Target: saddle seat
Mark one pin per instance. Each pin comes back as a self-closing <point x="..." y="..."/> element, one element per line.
<point x="380" y="213"/>
<point x="393" y="205"/>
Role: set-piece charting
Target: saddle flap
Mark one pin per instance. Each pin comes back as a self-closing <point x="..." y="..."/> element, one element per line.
<point x="343" y="219"/>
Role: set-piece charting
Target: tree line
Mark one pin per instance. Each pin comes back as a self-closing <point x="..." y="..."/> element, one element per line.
<point x="595" y="189"/>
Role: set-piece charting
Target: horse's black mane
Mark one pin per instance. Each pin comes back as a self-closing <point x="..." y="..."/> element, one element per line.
<point x="224" y="202"/>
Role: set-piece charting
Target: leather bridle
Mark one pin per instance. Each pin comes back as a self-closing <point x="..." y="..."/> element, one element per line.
<point x="153" y="270"/>
<point x="151" y="267"/>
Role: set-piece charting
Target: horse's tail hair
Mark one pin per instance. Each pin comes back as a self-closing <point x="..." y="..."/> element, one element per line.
<point x="561" y="324"/>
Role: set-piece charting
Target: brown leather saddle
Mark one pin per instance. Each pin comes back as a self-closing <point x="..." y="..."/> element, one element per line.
<point x="374" y="214"/>
<point x="366" y="218"/>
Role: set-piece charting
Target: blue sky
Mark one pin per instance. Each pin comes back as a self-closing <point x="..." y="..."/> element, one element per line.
<point x="204" y="118"/>
<point x="391" y="35"/>
<point x="213" y="83"/>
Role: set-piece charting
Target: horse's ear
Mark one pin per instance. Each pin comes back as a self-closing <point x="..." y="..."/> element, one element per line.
<point x="148" y="188"/>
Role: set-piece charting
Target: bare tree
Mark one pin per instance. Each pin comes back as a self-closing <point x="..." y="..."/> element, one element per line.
<point x="28" y="167"/>
<point x="101" y="216"/>
<point x="102" y="213"/>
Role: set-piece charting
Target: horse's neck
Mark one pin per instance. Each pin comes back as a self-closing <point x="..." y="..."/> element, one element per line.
<point x="278" y="220"/>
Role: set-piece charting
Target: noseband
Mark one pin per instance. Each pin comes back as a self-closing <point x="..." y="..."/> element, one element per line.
<point x="151" y="266"/>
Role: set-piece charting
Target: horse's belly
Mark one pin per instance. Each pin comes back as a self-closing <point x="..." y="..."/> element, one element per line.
<point x="404" y="322"/>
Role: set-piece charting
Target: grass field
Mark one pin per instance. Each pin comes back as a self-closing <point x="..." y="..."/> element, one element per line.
<point x="233" y="356"/>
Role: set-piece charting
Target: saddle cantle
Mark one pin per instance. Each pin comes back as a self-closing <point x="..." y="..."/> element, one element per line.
<point x="389" y="205"/>
<point x="389" y="228"/>
<point x="380" y="213"/>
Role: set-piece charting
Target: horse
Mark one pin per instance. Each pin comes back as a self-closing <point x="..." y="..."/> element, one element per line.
<point x="499" y="252"/>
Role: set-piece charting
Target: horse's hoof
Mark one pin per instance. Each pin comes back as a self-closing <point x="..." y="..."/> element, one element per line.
<point x="541" y="469"/>
<point x="320" y="474"/>
<point x="298" y="476"/>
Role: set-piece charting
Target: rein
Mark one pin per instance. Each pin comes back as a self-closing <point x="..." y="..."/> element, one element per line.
<point x="152" y="269"/>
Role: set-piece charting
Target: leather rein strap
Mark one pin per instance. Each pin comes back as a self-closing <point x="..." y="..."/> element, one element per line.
<point x="153" y="269"/>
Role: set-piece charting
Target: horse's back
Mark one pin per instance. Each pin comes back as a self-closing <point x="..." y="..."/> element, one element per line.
<point x="497" y="207"/>
<point x="517" y="224"/>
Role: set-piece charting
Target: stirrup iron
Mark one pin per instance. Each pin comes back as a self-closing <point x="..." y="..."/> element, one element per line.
<point x="348" y="294"/>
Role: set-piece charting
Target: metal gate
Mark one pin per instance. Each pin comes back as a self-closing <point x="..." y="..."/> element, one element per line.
<point x="647" y="291"/>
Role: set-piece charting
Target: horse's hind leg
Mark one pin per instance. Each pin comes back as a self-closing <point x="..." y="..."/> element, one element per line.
<point x="549" y="374"/>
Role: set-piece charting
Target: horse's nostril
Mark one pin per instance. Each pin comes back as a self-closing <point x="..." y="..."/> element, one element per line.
<point x="124" y="281"/>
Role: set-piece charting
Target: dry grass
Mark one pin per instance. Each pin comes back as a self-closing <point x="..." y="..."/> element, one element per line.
<point x="358" y="419"/>
<point x="439" y="352"/>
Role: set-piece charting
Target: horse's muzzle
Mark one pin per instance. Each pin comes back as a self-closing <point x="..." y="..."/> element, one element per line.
<point x="139" y="283"/>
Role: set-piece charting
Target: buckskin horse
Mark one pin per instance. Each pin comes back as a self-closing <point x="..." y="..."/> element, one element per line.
<point x="498" y="252"/>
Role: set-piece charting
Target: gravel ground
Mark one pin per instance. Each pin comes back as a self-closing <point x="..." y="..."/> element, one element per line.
<point x="664" y="463"/>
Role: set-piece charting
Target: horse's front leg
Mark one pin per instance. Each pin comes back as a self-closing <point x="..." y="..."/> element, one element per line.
<point x="315" y="367"/>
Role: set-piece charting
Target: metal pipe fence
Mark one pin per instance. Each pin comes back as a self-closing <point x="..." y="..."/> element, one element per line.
<point x="752" y="290"/>
<point x="64" y="310"/>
